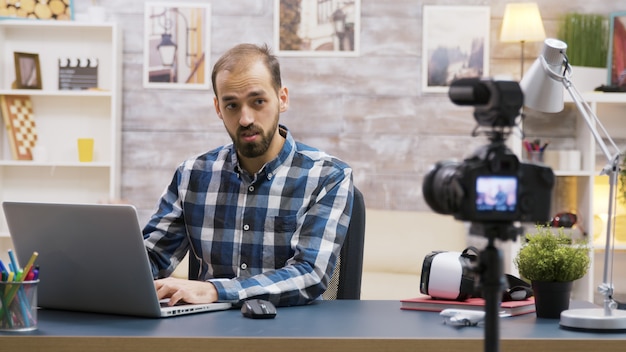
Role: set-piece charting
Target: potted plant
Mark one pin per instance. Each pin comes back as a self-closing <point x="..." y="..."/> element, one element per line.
<point x="552" y="262"/>
<point x="587" y="39"/>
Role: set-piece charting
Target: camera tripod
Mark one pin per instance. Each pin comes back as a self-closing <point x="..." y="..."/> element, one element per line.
<point x="492" y="279"/>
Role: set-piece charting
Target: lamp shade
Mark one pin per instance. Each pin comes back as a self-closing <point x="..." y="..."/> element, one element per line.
<point x="542" y="86"/>
<point x="522" y="23"/>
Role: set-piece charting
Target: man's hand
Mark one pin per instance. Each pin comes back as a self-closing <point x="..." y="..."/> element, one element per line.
<point x="189" y="291"/>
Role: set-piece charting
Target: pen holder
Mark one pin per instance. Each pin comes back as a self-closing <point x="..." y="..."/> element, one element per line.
<point x="534" y="156"/>
<point x="18" y="305"/>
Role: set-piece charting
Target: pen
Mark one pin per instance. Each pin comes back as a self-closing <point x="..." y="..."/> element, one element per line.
<point x="5" y="311"/>
<point x="24" y="306"/>
<point x="16" y="267"/>
<point x="19" y="277"/>
<point x="3" y="269"/>
<point x="29" y="265"/>
<point x="528" y="146"/>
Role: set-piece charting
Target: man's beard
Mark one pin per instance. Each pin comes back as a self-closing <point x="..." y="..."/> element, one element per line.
<point x="257" y="148"/>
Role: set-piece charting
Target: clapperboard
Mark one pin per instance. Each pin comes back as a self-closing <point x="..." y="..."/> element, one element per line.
<point x="78" y="73"/>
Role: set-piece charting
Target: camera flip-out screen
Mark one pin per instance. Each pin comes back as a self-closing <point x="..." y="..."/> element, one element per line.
<point x="496" y="193"/>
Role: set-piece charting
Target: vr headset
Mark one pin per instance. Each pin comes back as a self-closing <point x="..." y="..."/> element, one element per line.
<point x="451" y="276"/>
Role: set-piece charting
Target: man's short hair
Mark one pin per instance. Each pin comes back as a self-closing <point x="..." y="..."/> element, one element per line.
<point x="243" y="55"/>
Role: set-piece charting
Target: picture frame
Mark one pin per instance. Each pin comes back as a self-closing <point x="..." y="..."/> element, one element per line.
<point x="27" y="71"/>
<point x="317" y="28"/>
<point x="449" y="53"/>
<point x="177" y="45"/>
<point x="616" y="56"/>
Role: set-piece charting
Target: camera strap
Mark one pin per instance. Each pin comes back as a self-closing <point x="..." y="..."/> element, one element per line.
<point x="516" y="290"/>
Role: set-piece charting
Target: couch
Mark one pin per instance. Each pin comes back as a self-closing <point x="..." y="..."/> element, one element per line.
<point x="396" y="243"/>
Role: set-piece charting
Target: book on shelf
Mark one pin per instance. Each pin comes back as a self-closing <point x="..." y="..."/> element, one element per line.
<point x="429" y="304"/>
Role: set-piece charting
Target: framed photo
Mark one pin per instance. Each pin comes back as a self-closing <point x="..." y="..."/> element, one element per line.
<point x="177" y="45"/>
<point x="317" y="27"/>
<point x="27" y="71"/>
<point x="455" y="44"/>
<point x="617" y="50"/>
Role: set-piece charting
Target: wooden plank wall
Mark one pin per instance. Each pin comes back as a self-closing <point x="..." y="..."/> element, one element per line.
<point x="368" y="110"/>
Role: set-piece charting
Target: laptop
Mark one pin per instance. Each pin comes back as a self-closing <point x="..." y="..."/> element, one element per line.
<point x="91" y="258"/>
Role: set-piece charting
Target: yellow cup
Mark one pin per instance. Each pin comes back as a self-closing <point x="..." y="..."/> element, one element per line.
<point x="85" y="149"/>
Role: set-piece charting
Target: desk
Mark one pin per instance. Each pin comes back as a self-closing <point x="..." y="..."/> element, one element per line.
<point x="322" y="326"/>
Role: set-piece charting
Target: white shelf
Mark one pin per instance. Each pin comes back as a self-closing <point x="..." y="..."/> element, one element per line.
<point x="611" y="110"/>
<point x="599" y="247"/>
<point x="58" y="93"/>
<point x="582" y="173"/>
<point x="28" y="163"/>
<point x="599" y="97"/>
<point x="42" y="25"/>
<point x="63" y="116"/>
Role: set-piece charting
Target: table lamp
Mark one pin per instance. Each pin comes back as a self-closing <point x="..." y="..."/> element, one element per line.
<point x="522" y="23"/>
<point x="543" y="91"/>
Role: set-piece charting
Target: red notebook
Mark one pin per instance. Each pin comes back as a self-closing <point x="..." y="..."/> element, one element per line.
<point x="435" y="305"/>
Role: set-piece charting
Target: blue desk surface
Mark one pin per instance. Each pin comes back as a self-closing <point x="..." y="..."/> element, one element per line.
<point x="337" y="322"/>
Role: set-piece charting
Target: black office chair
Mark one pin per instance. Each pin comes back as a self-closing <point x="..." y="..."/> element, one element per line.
<point x="345" y="282"/>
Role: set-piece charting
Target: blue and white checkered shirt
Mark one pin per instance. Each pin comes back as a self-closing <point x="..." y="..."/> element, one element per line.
<point x="275" y="234"/>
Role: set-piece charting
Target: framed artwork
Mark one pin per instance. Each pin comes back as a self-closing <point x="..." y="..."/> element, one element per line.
<point x="317" y="27"/>
<point x="17" y="112"/>
<point x="455" y="44"/>
<point x="177" y="45"/>
<point x="62" y="10"/>
<point x="27" y="71"/>
<point x="617" y="50"/>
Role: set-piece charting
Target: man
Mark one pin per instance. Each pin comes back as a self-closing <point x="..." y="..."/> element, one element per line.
<point x="265" y="215"/>
<point x="500" y="199"/>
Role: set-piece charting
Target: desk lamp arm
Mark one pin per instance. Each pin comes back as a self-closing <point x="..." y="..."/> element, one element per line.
<point x="611" y="169"/>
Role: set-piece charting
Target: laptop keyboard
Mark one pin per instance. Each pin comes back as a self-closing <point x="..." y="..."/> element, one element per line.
<point x="164" y="304"/>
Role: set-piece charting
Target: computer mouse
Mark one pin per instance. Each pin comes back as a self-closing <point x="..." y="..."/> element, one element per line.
<point x="258" y="309"/>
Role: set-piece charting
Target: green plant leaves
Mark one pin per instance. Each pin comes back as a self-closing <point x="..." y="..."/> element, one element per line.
<point x="587" y="38"/>
<point x="546" y="256"/>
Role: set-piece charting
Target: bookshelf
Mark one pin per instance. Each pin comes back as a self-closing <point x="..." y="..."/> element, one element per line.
<point x="63" y="116"/>
<point x="585" y="191"/>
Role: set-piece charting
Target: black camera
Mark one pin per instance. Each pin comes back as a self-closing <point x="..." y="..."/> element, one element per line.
<point x="491" y="185"/>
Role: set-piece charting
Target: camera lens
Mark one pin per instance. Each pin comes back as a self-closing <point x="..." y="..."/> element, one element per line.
<point x="441" y="189"/>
